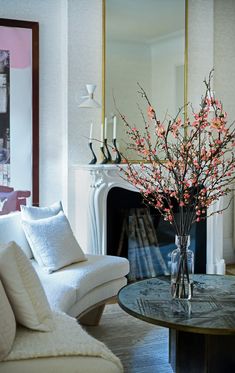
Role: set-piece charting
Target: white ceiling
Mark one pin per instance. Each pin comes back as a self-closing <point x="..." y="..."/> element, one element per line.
<point x="143" y="20"/>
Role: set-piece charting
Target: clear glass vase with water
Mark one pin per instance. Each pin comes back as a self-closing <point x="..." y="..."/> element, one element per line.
<point x="182" y="269"/>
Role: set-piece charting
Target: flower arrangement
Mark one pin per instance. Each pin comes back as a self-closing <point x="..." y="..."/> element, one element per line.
<point x="190" y="162"/>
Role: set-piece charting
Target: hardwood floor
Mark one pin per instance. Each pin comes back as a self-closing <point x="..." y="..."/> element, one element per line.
<point x="230" y="269"/>
<point x="142" y="347"/>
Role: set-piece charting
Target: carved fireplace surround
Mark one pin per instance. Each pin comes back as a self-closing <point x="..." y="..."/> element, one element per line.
<point x="92" y="185"/>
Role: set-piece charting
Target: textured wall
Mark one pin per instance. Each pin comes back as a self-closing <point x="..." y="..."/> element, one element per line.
<point x="224" y="57"/>
<point x="85" y="66"/>
<point x="200" y="46"/>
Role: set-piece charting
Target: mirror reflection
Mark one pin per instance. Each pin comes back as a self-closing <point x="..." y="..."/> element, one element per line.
<point x="144" y="43"/>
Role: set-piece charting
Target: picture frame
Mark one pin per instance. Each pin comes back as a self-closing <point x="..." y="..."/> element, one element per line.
<point x="19" y="110"/>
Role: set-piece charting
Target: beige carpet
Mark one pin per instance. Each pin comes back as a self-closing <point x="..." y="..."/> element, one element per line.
<point x="142" y="347"/>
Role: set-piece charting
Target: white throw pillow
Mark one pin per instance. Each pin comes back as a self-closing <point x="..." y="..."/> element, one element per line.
<point x="34" y="213"/>
<point x="11" y="230"/>
<point x="7" y="324"/>
<point x="23" y="289"/>
<point x="52" y="242"/>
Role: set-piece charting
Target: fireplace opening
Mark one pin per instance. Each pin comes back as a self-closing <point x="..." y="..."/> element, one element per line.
<point x="139" y="233"/>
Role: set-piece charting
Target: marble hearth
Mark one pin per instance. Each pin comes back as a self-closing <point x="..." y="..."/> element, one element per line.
<point x="92" y="185"/>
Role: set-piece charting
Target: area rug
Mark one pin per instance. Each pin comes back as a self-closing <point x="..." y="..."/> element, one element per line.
<point x="142" y="347"/>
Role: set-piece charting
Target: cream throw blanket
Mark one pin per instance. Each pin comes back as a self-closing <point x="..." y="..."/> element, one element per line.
<point x="68" y="339"/>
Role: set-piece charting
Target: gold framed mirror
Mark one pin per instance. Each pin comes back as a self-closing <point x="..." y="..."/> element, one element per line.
<point x="144" y="42"/>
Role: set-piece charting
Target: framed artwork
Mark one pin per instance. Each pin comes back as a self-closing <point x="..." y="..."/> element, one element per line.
<point x="19" y="114"/>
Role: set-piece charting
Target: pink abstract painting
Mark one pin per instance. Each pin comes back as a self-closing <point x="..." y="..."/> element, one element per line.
<point x="19" y="42"/>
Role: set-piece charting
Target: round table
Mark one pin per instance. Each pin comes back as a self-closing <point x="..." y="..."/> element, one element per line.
<point x="201" y="331"/>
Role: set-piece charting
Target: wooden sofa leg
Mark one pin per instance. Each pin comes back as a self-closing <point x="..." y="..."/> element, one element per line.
<point x="92" y="317"/>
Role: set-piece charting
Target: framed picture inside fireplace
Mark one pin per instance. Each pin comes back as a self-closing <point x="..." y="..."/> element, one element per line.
<point x="19" y="112"/>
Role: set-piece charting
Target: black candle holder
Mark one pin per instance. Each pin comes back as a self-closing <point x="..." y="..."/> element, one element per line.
<point x="118" y="156"/>
<point x="105" y="159"/>
<point x="94" y="159"/>
<point x="108" y="155"/>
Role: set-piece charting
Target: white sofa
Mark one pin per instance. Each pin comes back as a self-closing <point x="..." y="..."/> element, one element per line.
<point x="79" y="290"/>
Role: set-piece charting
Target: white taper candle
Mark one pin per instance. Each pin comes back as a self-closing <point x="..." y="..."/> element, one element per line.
<point x="114" y="127"/>
<point x="105" y="128"/>
<point x="101" y="135"/>
<point x="90" y="137"/>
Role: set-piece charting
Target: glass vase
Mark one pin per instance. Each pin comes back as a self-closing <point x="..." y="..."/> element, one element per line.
<point x="182" y="269"/>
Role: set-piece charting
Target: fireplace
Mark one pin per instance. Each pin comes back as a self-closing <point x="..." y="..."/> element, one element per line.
<point x="95" y="188"/>
<point x="139" y="233"/>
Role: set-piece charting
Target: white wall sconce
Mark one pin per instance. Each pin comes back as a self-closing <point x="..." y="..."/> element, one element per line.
<point x="89" y="101"/>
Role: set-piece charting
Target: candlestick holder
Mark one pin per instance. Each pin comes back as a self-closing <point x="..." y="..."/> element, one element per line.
<point x="105" y="159"/>
<point x="108" y="155"/>
<point x="94" y="159"/>
<point x="118" y="156"/>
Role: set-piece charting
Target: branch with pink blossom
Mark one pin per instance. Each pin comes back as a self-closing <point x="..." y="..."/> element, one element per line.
<point x="194" y="167"/>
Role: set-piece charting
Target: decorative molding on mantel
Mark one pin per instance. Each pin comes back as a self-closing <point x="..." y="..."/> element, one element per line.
<point x="108" y="174"/>
<point x="92" y="185"/>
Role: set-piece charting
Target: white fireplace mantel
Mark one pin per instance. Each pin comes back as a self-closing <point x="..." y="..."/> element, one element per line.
<point x="92" y="185"/>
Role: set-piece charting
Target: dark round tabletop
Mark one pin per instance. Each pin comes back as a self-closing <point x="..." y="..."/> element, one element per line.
<point x="210" y="311"/>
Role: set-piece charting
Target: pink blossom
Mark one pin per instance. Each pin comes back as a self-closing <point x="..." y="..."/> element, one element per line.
<point x="159" y="205"/>
<point x="150" y="112"/>
<point x="160" y="130"/>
